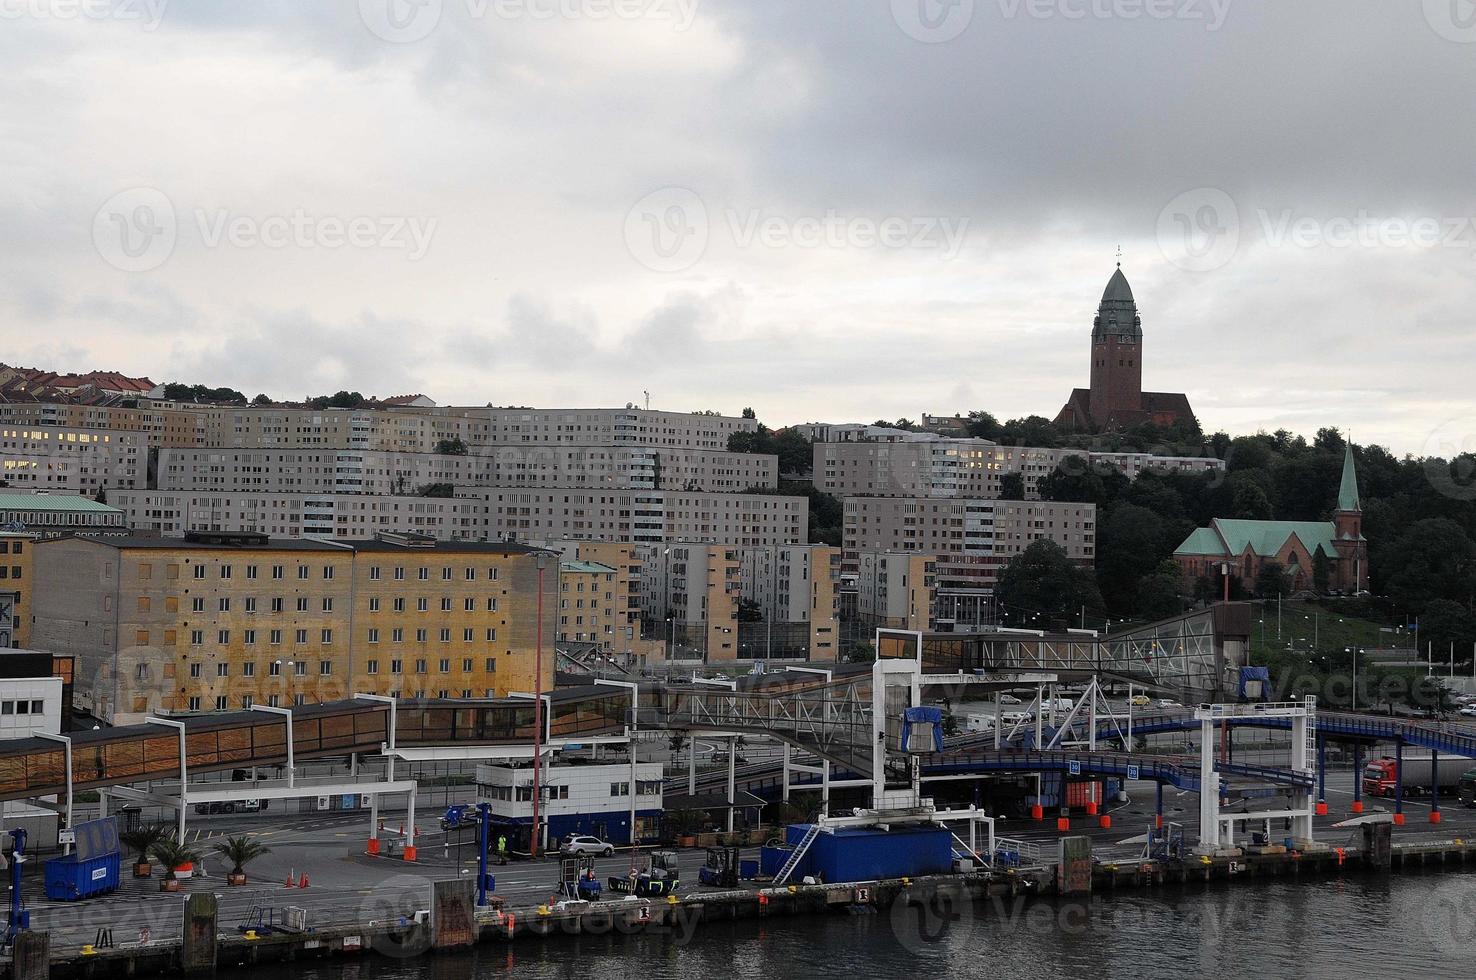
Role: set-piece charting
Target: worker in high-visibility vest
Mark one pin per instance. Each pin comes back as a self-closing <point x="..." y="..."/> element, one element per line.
<point x="502" y="849"/>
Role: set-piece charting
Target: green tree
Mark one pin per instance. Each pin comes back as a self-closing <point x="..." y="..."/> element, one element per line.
<point x="451" y="447"/>
<point x="1250" y="503"/>
<point x="1043" y="589"/>
<point x="1132" y="543"/>
<point x="262" y="399"/>
<point x="1271" y="581"/>
<point x="749" y="413"/>
<point x="1433" y="559"/>
<point x="1445" y="624"/>
<point x="1159" y="593"/>
<point x="435" y="490"/>
<point x="1321" y="573"/>
<point x="1012" y="486"/>
<point x="982" y="425"/>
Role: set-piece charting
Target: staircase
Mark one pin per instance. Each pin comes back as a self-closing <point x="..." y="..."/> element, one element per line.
<point x="797" y="855"/>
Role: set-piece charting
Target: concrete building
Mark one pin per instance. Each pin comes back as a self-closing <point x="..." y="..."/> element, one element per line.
<point x="794" y="589"/>
<point x="892" y="589"/>
<point x="378" y="471"/>
<point x="295" y="515"/>
<point x="218" y="621"/>
<point x="71" y="460"/>
<point x="970" y="540"/>
<point x="692" y="589"/>
<point x="16" y="574"/>
<point x="938" y="467"/>
<point x="641" y="517"/>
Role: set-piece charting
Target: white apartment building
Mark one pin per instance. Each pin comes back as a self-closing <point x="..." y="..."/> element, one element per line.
<point x="71" y="460"/>
<point x="934" y="466"/>
<point x="642" y="517"/>
<point x="386" y="472"/>
<point x="171" y="513"/>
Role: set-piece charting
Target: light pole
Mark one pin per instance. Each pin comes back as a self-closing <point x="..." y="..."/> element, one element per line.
<point x="538" y="704"/>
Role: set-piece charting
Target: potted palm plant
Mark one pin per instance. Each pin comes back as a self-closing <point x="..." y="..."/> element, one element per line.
<point x="142" y="839"/>
<point x="172" y="854"/>
<point x="238" y="851"/>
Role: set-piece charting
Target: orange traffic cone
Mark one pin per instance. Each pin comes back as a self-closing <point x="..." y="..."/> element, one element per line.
<point x="289" y="880"/>
<point x="303" y="881"/>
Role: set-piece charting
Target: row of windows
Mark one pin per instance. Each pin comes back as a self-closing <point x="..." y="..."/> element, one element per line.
<point x="302" y="603"/>
<point x="325" y="668"/>
<point x="146" y="570"/>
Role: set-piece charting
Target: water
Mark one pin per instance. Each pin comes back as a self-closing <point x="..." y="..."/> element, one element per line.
<point x="1401" y="927"/>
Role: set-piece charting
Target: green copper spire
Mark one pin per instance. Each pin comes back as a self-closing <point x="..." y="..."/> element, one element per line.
<point x="1348" y="491"/>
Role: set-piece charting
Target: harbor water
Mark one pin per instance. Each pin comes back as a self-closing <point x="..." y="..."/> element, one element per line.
<point x="1404" y="926"/>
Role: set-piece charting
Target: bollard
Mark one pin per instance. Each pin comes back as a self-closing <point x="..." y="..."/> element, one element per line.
<point x="374" y="845"/>
<point x="250" y="934"/>
<point x="1434" y="816"/>
<point x="1158" y="821"/>
<point x="88" y="949"/>
<point x="410" y="852"/>
<point x="1105" y="822"/>
<point x="1037" y="812"/>
<point x="1091" y="808"/>
<point x="1357" y="806"/>
<point x="1321" y="810"/>
<point x="1399" y="820"/>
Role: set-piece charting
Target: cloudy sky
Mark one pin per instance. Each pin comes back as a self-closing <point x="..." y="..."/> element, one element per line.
<point x="827" y="210"/>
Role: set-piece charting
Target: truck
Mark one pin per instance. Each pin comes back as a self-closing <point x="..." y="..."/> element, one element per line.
<point x="1381" y="776"/>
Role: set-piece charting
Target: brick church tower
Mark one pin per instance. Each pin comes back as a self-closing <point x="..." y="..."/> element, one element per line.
<point x="1117" y="354"/>
<point x="1348" y="539"/>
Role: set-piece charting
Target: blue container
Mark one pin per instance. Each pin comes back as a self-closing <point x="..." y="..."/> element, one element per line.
<point x="69" y="878"/>
<point x="861" y="854"/>
<point x="748" y="870"/>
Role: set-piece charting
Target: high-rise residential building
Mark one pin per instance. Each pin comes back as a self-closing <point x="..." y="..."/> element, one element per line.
<point x="970" y="540"/>
<point x="793" y="589"/>
<point x="691" y="591"/>
<point x="891" y="589"/>
<point x="940" y="467"/>
<point x="71" y="460"/>
<point x="218" y="621"/>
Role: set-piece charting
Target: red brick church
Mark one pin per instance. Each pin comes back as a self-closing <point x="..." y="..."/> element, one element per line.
<point x="1116" y="399"/>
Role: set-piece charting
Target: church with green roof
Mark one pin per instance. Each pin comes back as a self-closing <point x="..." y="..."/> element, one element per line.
<point x="1246" y="546"/>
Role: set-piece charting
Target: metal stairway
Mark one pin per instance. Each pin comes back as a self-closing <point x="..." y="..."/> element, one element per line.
<point x="797" y="855"/>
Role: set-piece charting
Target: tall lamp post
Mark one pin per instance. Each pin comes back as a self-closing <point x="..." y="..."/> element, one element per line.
<point x="538" y="705"/>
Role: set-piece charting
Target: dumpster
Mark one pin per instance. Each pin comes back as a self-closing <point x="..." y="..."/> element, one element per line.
<point x="68" y="878"/>
<point x="92" y="869"/>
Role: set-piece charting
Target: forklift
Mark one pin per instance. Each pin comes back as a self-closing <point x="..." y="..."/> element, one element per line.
<point x="577" y="879"/>
<point x="659" y="877"/>
<point x="721" y="869"/>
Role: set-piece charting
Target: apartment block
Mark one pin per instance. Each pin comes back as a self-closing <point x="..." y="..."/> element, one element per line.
<point x="969" y="468"/>
<point x="892" y="589"/>
<point x="692" y="589"/>
<point x="16" y="576"/>
<point x="614" y="571"/>
<point x="642" y="517"/>
<point x="158" y="423"/>
<point x="217" y="621"/>
<point x="794" y="589"/>
<point x="71" y="460"/>
<point x="377" y="471"/>
<point x="295" y="515"/>
<point x="971" y="540"/>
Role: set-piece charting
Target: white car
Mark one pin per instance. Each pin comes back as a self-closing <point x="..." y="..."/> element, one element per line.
<point x="584" y="844"/>
<point x="1167" y="703"/>
<point x="1008" y="699"/>
<point x="1469" y="711"/>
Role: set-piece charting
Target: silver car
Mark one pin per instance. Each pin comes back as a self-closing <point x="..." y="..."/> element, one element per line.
<point x="584" y="844"/>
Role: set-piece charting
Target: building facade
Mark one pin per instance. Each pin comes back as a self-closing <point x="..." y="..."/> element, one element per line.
<point x="71" y="460"/>
<point x="222" y="621"/>
<point x="583" y="797"/>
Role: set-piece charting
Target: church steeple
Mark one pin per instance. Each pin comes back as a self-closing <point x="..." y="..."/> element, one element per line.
<point x="1348" y="490"/>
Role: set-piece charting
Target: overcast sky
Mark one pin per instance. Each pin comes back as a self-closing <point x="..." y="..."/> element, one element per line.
<point x="826" y="210"/>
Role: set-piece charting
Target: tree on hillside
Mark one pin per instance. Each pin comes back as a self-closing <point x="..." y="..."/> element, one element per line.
<point x="1075" y="480"/>
<point x="1444" y="624"/>
<point x="1272" y="581"/>
<point x="1043" y="589"/>
<point x="749" y="413"/>
<point x="1159" y="595"/>
<point x="1132" y="542"/>
<point x="339" y="399"/>
<point x="262" y="399"/>
<point x="1433" y="559"/>
<point x="1321" y="573"/>
<point x="1012" y="486"/>
<point x="1250" y="503"/>
<point x="982" y="425"/>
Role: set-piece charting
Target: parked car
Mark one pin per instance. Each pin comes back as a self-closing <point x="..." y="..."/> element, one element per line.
<point x="1469" y="711"/>
<point x="584" y="844"/>
<point x="1168" y="703"/>
<point x="1140" y="701"/>
<point x="1008" y="699"/>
